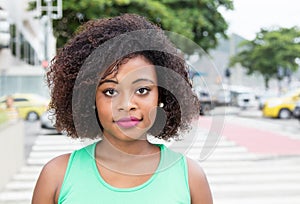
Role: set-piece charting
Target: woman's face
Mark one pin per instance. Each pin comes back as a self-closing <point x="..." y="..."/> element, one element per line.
<point x="127" y="102"/>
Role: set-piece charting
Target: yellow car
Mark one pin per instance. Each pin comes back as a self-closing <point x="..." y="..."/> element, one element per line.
<point x="29" y="106"/>
<point x="281" y="107"/>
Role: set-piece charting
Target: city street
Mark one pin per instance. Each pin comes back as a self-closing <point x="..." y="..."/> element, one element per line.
<point x="155" y="55"/>
<point x="256" y="160"/>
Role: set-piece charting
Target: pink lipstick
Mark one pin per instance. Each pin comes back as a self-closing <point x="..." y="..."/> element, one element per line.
<point x="128" y="122"/>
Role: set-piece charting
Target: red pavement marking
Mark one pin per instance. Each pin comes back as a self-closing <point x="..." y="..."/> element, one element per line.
<point x="256" y="140"/>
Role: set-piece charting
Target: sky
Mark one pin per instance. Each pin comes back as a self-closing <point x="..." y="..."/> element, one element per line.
<point x="249" y="16"/>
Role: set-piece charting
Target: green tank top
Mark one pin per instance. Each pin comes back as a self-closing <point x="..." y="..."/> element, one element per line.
<point x="83" y="183"/>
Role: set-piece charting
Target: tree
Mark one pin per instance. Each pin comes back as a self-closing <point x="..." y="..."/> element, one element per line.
<point x="198" y="20"/>
<point x="273" y="53"/>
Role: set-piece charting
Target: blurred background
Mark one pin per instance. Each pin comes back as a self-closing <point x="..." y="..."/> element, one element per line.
<point x="246" y="75"/>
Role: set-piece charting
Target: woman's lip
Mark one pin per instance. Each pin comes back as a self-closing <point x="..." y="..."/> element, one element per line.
<point x="126" y="119"/>
<point x="128" y="122"/>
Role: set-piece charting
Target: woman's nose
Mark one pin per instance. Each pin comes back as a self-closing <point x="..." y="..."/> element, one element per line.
<point x="126" y="102"/>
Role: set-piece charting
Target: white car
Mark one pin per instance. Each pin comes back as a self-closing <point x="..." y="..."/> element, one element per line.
<point x="223" y="97"/>
<point x="246" y="100"/>
<point x="47" y="120"/>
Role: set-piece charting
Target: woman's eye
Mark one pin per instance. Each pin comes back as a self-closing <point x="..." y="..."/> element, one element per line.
<point x="142" y="91"/>
<point x="110" y="92"/>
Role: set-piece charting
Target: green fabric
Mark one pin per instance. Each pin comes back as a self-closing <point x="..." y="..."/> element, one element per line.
<point x="84" y="185"/>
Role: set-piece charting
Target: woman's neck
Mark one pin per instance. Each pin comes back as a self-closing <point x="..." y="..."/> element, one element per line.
<point x="128" y="157"/>
<point x="129" y="148"/>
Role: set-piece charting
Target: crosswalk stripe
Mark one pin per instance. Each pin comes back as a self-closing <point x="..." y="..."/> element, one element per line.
<point x="256" y="189"/>
<point x="259" y="200"/>
<point x="20" y="185"/>
<point x="16" y="196"/>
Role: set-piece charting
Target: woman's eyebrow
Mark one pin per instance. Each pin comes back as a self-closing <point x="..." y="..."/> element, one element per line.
<point x="107" y="81"/>
<point x="143" y="79"/>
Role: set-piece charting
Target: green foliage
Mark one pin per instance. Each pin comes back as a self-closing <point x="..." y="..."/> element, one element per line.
<point x="198" y="20"/>
<point x="270" y="50"/>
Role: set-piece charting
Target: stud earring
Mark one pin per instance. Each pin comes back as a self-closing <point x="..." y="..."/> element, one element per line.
<point x="161" y="105"/>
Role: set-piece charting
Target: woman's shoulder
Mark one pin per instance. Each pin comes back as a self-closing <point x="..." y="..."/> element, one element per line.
<point x="194" y="169"/>
<point x="55" y="169"/>
<point x="50" y="179"/>
<point x="199" y="187"/>
<point x="57" y="164"/>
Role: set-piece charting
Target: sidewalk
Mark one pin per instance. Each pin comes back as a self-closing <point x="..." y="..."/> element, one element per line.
<point x="252" y="112"/>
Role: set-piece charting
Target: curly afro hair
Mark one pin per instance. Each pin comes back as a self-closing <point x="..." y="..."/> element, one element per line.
<point x="104" y="43"/>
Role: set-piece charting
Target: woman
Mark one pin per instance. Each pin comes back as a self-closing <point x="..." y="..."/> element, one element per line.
<point x="131" y="98"/>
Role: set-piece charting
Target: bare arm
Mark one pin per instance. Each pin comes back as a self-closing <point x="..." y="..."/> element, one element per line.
<point x="49" y="182"/>
<point x="199" y="188"/>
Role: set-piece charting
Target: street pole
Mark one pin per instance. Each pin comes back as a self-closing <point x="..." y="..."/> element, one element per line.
<point x="51" y="10"/>
<point x="48" y="29"/>
<point x="228" y="76"/>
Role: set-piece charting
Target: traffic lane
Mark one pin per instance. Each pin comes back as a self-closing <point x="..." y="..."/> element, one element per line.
<point x="291" y="123"/>
<point x="253" y="116"/>
<point x="257" y="136"/>
<point x="31" y="131"/>
<point x="287" y="127"/>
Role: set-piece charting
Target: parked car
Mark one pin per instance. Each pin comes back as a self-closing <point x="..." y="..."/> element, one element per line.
<point x="281" y="107"/>
<point x="246" y="100"/>
<point x="239" y="96"/>
<point x="296" y="111"/>
<point x="29" y="106"/>
<point x="223" y="97"/>
<point x="47" y="120"/>
<point x="265" y="96"/>
<point x="207" y="103"/>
